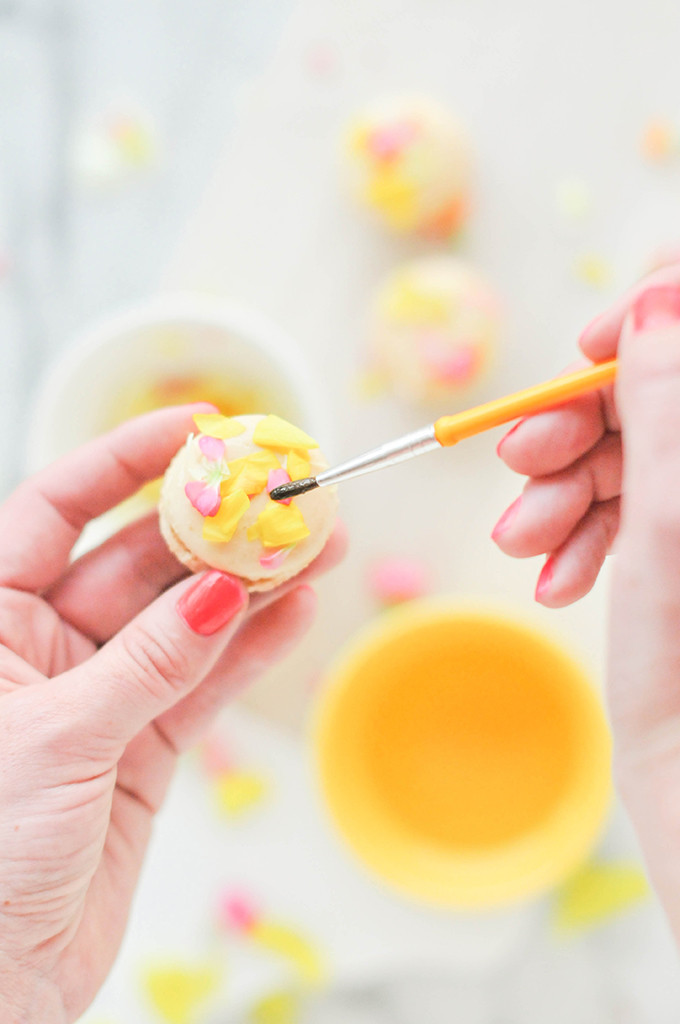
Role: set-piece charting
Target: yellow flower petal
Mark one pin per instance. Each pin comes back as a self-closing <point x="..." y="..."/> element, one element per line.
<point x="220" y="528"/>
<point x="297" y="465"/>
<point x="598" y="892"/>
<point x="176" y="991"/>
<point x="273" y="432"/>
<point x="239" y="791"/>
<point x="215" y="425"/>
<point x="278" y="526"/>
<point x="293" y="946"/>
<point x="277" y="1008"/>
<point x="249" y="474"/>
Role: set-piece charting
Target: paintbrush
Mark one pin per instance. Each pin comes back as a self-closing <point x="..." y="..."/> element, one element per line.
<point x="448" y="430"/>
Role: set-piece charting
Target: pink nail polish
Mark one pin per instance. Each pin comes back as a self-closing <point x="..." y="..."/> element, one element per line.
<point x="656" y="308"/>
<point x="545" y="579"/>
<point x="212" y="602"/>
<point x="505" y="520"/>
<point x="506" y="436"/>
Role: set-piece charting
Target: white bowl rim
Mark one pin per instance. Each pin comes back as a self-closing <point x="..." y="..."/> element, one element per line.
<point x="164" y="310"/>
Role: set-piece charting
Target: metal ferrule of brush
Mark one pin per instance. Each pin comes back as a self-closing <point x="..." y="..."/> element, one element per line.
<point x="389" y="454"/>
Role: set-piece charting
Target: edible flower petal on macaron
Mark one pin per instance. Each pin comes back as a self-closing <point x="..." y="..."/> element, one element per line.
<point x="279" y="525"/>
<point x="273" y="432"/>
<point x="214" y="424"/>
<point x="221" y="527"/>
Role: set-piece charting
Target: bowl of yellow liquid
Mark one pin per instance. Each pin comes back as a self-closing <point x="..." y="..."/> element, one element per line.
<point x="463" y="755"/>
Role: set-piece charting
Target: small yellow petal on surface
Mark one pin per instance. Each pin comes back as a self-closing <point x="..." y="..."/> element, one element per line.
<point x="220" y="528"/>
<point x="273" y="432"/>
<point x="176" y="992"/>
<point x="250" y="473"/>
<point x="598" y="892"/>
<point x="291" y="944"/>
<point x="298" y="466"/>
<point x="239" y="791"/>
<point x="215" y="425"/>
<point x="278" y="526"/>
<point x="593" y="270"/>
<point x="277" y="1008"/>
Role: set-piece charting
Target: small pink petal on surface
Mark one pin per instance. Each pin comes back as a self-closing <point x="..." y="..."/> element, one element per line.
<point x="212" y="447"/>
<point x="394" y="580"/>
<point x="205" y="500"/>
<point x="237" y="911"/>
<point x="276" y="478"/>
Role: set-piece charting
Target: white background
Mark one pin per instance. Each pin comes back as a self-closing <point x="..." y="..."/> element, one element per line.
<point x="247" y="196"/>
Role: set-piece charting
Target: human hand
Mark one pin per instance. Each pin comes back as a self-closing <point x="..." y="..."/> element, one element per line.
<point x="608" y="466"/>
<point x="109" y="668"/>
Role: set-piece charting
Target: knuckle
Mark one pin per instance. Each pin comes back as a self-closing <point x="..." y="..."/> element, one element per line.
<point x="156" y="662"/>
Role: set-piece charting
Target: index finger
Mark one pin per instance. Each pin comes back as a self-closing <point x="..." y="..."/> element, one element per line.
<point x="43" y="518"/>
<point x="600" y="339"/>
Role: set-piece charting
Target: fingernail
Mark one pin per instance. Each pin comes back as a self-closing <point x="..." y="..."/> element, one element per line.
<point x="656" y="308"/>
<point x="212" y="602"/>
<point x="506" y="436"/>
<point x="505" y="520"/>
<point x="590" y="328"/>
<point x="545" y="579"/>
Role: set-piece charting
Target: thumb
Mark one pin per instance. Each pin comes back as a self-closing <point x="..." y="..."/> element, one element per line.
<point x="159" y="657"/>
<point x="645" y="595"/>
<point x="648" y="398"/>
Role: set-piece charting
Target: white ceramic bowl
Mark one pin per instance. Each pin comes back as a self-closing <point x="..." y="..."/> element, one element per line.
<point x="114" y="368"/>
<point x="91" y="384"/>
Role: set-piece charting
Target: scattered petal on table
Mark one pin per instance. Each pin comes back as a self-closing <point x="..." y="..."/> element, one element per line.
<point x="573" y="199"/>
<point x="240" y="791"/>
<point x="237" y="911"/>
<point x="293" y="946"/>
<point x="659" y="141"/>
<point x="598" y="892"/>
<point x="396" y="579"/>
<point x="593" y="269"/>
<point x="178" y="991"/>
<point x="277" y="1008"/>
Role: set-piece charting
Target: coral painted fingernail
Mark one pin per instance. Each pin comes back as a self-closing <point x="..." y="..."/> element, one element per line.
<point x="545" y="579"/>
<point x="506" y="436"/>
<point x="505" y="520"/>
<point x="656" y="308"/>
<point x="212" y="602"/>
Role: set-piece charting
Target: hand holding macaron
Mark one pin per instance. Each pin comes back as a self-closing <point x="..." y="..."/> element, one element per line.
<point x="110" y="667"/>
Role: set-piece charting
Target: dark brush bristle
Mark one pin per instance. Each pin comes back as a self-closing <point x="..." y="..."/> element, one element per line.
<point x="294" y="488"/>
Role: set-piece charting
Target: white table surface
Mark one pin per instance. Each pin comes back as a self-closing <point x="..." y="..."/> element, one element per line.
<point x="246" y="194"/>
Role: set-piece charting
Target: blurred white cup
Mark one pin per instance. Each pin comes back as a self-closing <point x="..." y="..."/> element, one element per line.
<point x="169" y="349"/>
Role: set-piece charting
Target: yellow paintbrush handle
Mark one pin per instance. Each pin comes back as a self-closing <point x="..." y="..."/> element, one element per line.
<point x="450" y="429"/>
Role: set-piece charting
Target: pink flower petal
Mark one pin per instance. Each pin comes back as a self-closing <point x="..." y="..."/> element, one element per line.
<point x="273" y="559"/>
<point x="275" y="479"/>
<point x="212" y="447"/>
<point x="205" y="500"/>
<point x="393" y="580"/>
<point x="236" y="910"/>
